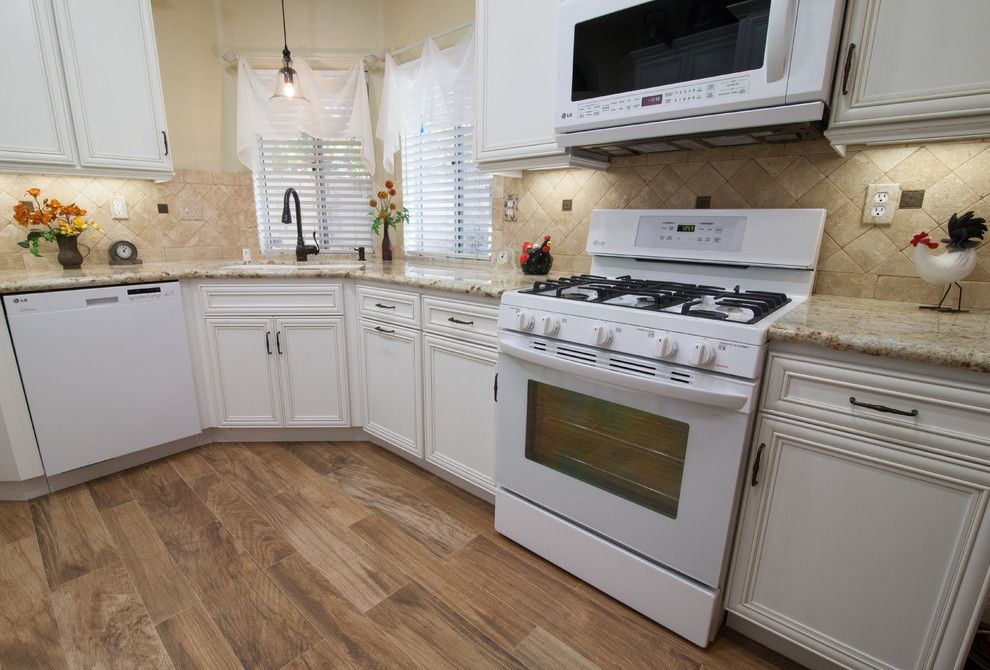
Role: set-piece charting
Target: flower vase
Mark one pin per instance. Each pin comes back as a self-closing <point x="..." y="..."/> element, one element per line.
<point x="386" y="246"/>
<point x="69" y="255"/>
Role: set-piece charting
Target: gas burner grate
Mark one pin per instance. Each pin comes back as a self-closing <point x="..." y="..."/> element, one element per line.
<point x="696" y="300"/>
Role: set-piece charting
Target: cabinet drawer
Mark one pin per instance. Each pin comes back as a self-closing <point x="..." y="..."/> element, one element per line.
<point x="271" y="299"/>
<point x="392" y="306"/>
<point x="931" y="411"/>
<point x="451" y="317"/>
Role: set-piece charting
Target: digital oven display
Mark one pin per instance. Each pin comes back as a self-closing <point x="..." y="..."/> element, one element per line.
<point x="684" y="228"/>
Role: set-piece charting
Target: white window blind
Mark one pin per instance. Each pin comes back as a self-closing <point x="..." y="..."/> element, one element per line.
<point x="333" y="183"/>
<point x="449" y="200"/>
<point x="334" y="188"/>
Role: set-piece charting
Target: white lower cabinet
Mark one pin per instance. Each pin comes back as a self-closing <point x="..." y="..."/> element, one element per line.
<point x="390" y="358"/>
<point x="244" y="370"/>
<point x="867" y="552"/>
<point x="281" y="371"/>
<point x="313" y="377"/>
<point x="459" y="384"/>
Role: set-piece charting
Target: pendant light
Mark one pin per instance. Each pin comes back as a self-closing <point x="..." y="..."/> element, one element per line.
<point x="287" y="80"/>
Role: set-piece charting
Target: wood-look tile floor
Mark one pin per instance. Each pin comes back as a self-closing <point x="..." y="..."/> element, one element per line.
<point x="303" y="555"/>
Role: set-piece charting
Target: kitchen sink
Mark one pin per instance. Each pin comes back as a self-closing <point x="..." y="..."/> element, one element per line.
<point x="313" y="267"/>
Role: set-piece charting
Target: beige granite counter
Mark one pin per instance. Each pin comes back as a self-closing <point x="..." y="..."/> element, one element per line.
<point x="890" y="329"/>
<point x="477" y="279"/>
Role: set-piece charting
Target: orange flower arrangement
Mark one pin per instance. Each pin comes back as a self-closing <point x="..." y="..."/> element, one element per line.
<point x="49" y="220"/>
<point x="385" y="210"/>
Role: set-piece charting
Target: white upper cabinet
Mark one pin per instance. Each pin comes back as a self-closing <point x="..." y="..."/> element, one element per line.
<point x="34" y="121"/>
<point x="87" y="72"/>
<point x="516" y="83"/>
<point x="912" y="70"/>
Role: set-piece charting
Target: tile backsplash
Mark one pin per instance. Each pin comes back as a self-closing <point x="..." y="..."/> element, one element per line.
<point x="210" y="216"/>
<point x="856" y="259"/>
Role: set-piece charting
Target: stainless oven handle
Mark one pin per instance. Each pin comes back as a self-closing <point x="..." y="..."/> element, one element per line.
<point x="675" y="390"/>
<point x="780" y="33"/>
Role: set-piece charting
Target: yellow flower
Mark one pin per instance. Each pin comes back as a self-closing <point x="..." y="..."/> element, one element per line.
<point x="33" y="192"/>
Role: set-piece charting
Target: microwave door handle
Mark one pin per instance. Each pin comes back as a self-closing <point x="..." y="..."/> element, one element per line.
<point x="780" y="33"/>
<point x="727" y="400"/>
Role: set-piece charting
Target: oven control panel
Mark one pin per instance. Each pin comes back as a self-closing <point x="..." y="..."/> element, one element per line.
<point x="705" y="353"/>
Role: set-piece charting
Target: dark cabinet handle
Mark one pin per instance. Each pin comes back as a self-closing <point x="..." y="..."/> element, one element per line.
<point x="384" y="330"/>
<point x="458" y="321"/>
<point x="268" y="342"/>
<point x="756" y="465"/>
<point x="496" y="387"/>
<point x="882" y="408"/>
<point x="165" y="137"/>
<point x="381" y="306"/>
<point x="846" y="67"/>
<point x="278" y="342"/>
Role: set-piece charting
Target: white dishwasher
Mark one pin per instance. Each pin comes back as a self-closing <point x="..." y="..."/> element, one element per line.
<point x="106" y="371"/>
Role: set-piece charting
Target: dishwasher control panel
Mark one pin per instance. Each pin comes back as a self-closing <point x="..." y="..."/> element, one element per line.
<point x="82" y="298"/>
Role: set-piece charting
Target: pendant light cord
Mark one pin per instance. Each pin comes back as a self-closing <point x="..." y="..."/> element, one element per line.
<point x="285" y="39"/>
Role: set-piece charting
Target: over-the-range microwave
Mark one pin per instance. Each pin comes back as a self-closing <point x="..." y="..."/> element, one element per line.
<point x="640" y="77"/>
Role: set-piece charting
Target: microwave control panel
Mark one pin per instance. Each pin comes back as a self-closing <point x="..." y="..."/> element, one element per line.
<point x="729" y="87"/>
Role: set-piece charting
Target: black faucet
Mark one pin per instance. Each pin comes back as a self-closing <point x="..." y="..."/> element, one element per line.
<point x="303" y="250"/>
<point x="360" y="251"/>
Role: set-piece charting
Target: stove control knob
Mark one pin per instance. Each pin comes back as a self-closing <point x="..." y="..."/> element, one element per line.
<point x="701" y="354"/>
<point x="524" y="320"/>
<point x="603" y="334"/>
<point x="665" y="346"/>
<point x="549" y="324"/>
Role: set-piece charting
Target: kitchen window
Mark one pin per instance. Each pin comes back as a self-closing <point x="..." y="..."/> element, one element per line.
<point x="334" y="188"/>
<point x="449" y="200"/>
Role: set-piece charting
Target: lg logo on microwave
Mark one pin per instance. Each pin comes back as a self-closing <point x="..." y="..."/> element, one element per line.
<point x="566" y="115"/>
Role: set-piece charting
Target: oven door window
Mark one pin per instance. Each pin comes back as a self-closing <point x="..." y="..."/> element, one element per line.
<point x="667" y="42"/>
<point x="630" y="453"/>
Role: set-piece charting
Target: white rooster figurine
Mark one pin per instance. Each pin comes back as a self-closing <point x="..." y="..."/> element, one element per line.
<point x="965" y="234"/>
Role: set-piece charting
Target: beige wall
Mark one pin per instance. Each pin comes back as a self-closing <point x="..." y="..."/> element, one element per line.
<point x="856" y="259"/>
<point x="409" y="21"/>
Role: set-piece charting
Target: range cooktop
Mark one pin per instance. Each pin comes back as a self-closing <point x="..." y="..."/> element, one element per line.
<point x="694" y="300"/>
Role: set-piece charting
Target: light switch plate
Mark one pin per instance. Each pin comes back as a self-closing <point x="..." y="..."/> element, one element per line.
<point x="881" y="203"/>
<point x="190" y="209"/>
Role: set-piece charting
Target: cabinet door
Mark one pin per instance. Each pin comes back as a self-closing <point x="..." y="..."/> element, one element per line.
<point x="460" y="408"/>
<point x="312" y="370"/>
<point x="34" y="119"/>
<point x="896" y="90"/>
<point x="390" y="365"/>
<point x="245" y="371"/>
<point x="111" y="71"/>
<point x="860" y="550"/>
<point x="516" y="78"/>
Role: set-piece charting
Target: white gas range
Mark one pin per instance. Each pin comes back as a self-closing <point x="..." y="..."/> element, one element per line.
<point x="626" y="399"/>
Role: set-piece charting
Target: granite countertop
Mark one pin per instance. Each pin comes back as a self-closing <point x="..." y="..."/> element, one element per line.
<point x="890" y="329"/>
<point x="476" y="278"/>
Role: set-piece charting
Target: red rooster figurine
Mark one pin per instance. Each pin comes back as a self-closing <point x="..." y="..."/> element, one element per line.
<point x="965" y="234"/>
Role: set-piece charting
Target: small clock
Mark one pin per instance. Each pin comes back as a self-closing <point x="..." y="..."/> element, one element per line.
<point x="123" y="252"/>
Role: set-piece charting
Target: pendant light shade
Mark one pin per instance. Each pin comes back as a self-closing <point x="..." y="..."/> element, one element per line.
<point x="287" y="81"/>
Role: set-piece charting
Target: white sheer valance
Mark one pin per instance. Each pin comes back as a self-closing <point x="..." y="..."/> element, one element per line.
<point x="337" y="110"/>
<point x="435" y="90"/>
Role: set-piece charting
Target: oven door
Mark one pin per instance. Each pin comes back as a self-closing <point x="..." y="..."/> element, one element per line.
<point x="624" y="62"/>
<point x="651" y="464"/>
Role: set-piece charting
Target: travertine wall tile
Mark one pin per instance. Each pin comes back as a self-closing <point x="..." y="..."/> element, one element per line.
<point x="224" y="223"/>
<point x="855" y="259"/>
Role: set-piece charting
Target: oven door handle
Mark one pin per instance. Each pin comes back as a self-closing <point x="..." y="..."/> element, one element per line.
<point x="780" y="33"/>
<point x="728" y="400"/>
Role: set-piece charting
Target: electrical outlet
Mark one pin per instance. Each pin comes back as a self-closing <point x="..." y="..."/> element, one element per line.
<point x="881" y="203"/>
<point x="511" y="207"/>
<point x="118" y="207"/>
